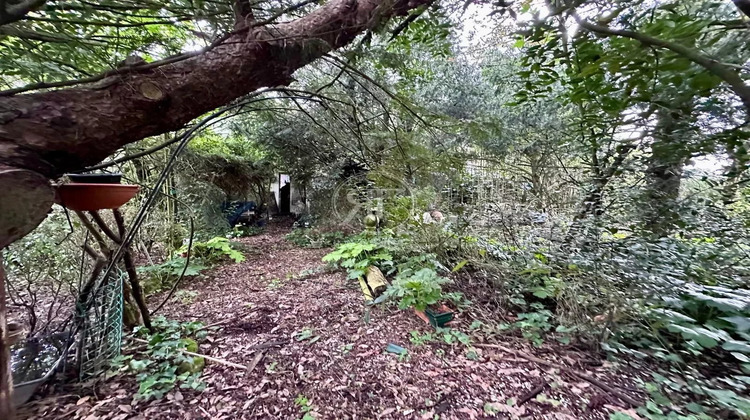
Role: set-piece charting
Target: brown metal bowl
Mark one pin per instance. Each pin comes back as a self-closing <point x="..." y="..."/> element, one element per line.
<point x="90" y="197"/>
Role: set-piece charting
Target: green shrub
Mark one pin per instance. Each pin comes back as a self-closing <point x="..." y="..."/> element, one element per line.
<point x="357" y="256"/>
<point x="418" y="289"/>
<point x="159" y="276"/>
<point x="707" y="318"/>
<point x="214" y="251"/>
<point x="162" y="365"/>
<point x="244" y="231"/>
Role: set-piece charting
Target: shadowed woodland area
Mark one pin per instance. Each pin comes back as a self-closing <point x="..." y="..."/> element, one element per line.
<point x="343" y="209"/>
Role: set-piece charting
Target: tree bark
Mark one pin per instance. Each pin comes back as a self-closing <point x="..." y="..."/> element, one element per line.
<point x="135" y="285"/>
<point x="593" y="202"/>
<point x="669" y="153"/>
<point x="6" y="382"/>
<point x="135" y="309"/>
<point x="25" y="199"/>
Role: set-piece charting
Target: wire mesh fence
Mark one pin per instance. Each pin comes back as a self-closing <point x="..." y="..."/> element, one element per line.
<point x="101" y="327"/>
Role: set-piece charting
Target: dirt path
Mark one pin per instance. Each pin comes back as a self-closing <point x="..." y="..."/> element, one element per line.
<point x="313" y="337"/>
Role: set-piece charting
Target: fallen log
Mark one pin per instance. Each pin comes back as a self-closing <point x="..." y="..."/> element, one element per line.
<point x="365" y="289"/>
<point x="376" y="281"/>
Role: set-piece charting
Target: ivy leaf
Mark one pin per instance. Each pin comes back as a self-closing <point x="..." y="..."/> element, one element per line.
<point x="742" y="323"/>
<point x="736" y="346"/>
<point x="705" y="338"/>
<point x="139" y="365"/>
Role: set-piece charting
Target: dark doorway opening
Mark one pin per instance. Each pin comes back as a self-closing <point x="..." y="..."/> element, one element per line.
<point x="285" y="195"/>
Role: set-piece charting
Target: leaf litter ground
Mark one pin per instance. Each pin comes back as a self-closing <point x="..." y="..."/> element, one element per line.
<point x="315" y="348"/>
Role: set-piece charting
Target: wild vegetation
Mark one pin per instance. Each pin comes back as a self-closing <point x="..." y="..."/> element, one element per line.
<point x="565" y="176"/>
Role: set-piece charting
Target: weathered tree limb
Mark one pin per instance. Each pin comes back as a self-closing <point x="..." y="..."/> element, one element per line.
<point x="99" y="262"/>
<point x="531" y="394"/>
<point x="212" y="359"/>
<point x="93" y="231"/>
<point x="13" y="12"/>
<point x="592" y="203"/>
<point x="57" y="131"/>
<point x="26" y="199"/>
<point x="723" y="71"/>
<point x="243" y="13"/>
<point x="103" y="226"/>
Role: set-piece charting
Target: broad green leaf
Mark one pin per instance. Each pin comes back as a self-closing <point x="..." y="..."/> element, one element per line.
<point x="736" y="346"/>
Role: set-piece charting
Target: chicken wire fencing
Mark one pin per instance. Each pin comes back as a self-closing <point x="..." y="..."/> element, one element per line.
<point x="101" y="327"/>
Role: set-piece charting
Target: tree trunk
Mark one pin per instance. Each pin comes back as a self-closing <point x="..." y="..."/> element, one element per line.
<point x="135" y="285"/>
<point x="131" y="314"/>
<point x="669" y="153"/>
<point x="6" y="382"/>
<point x="593" y="202"/>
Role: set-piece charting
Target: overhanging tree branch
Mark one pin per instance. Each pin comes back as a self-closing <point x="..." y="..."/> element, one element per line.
<point x="723" y="71"/>
<point x="10" y="13"/>
<point x="58" y="131"/>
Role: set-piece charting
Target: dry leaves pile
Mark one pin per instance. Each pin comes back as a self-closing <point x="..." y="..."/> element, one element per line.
<point x="311" y="336"/>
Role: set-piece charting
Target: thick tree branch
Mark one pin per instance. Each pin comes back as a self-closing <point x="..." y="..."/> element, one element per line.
<point x="723" y="71"/>
<point x="155" y="64"/>
<point x="58" y="131"/>
<point x="743" y="5"/>
<point x="10" y="13"/>
<point x="408" y="21"/>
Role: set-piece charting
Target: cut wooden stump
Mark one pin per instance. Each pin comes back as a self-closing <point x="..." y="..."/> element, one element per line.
<point x="365" y="289"/>
<point x="376" y="281"/>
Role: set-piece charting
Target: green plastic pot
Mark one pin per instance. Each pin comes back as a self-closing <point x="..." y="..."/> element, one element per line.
<point x="438" y="319"/>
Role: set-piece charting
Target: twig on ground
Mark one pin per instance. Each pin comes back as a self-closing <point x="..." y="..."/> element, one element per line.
<point x="226" y="320"/>
<point x="269" y="344"/>
<point x="624" y="398"/>
<point x="216" y="324"/>
<point x="533" y="393"/>
<point x="213" y="359"/>
<point x="256" y="360"/>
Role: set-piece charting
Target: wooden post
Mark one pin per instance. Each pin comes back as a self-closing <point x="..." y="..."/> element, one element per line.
<point x="6" y="380"/>
<point x="135" y="285"/>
